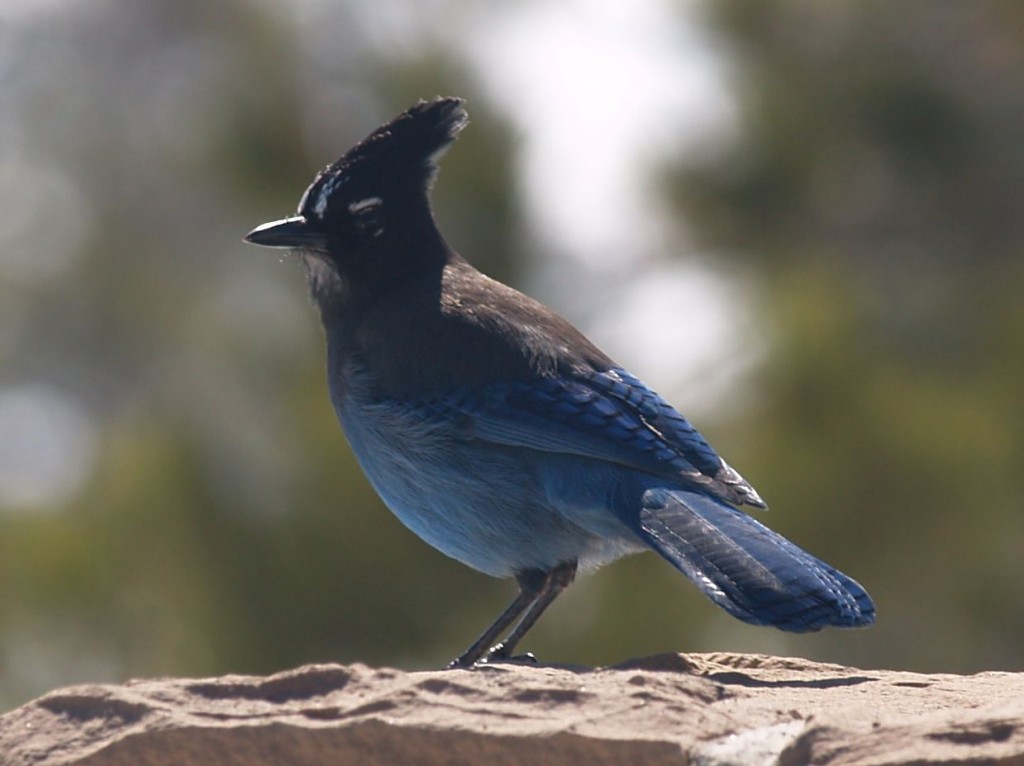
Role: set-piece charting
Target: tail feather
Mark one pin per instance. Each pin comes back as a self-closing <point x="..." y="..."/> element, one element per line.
<point x="746" y="568"/>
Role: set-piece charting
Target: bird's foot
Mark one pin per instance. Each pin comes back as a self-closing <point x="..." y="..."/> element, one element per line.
<point x="499" y="653"/>
<point x="493" y="656"/>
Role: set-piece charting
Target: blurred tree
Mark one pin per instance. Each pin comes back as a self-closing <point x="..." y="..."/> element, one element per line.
<point x="876" y="187"/>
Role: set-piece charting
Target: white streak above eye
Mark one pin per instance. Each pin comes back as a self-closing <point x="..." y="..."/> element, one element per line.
<point x="364" y="204"/>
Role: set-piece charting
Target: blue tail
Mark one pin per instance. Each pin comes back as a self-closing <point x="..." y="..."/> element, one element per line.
<point x="747" y="569"/>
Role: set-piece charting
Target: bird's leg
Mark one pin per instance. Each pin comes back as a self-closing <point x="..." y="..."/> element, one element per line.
<point x="531" y="584"/>
<point x="555" y="581"/>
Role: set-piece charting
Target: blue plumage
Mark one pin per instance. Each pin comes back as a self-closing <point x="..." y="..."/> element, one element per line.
<point x="501" y="435"/>
<point x="607" y="414"/>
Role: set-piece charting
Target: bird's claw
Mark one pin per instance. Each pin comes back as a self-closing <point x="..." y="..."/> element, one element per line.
<point x="495" y="655"/>
<point x="498" y="653"/>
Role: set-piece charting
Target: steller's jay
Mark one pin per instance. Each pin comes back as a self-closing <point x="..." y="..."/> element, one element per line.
<point x="502" y="436"/>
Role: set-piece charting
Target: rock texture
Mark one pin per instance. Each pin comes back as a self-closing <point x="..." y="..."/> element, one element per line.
<point x="709" y="709"/>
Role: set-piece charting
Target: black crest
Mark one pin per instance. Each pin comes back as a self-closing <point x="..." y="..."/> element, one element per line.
<point x="400" y="153"/>
<point x="375" y="196"/>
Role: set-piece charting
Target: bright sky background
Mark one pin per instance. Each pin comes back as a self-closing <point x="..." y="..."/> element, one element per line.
<point x="601" y="94"/>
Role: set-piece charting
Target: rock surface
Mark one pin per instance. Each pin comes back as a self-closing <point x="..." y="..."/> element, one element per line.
<point x="709" y="709"/>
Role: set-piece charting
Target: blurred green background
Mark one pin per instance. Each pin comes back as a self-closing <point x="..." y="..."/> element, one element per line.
<point x="800" y="221"/>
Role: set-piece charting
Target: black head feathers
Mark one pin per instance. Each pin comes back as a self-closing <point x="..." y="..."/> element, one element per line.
<point x="400" y="154"/>
<point x="378" y="187"/>
<point x="411" y="141"/>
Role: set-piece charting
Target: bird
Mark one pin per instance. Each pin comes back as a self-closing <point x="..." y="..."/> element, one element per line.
<point x="497" y="432"/>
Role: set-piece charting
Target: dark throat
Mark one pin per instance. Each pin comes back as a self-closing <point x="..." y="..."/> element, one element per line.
<point x="350" y="280"/>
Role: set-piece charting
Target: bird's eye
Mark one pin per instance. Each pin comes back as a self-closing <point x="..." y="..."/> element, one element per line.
<point x="368" y="215"/>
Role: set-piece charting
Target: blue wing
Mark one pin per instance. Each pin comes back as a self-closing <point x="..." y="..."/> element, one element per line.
<point x="609" y="415"/>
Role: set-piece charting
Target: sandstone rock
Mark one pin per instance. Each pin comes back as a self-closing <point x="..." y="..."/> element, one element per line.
<point x="709" y="709"/>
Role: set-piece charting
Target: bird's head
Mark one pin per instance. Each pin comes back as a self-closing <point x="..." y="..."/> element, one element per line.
<point x="371" y="206"/>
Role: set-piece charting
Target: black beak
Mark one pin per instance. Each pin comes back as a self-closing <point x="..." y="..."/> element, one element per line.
<point x="288" y="233"/>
